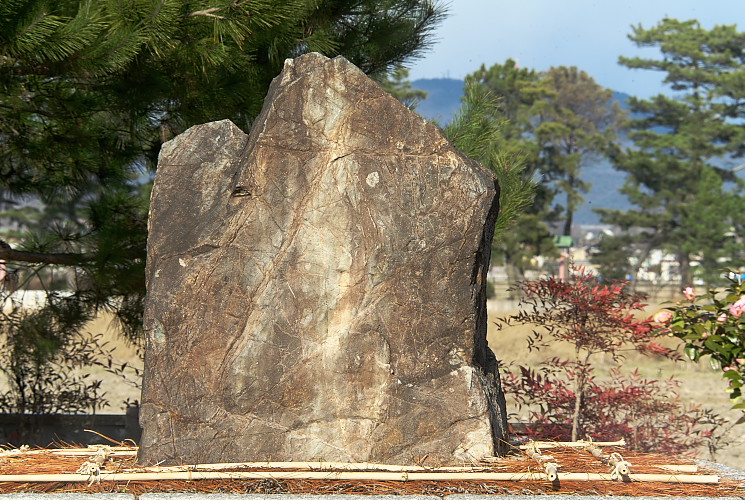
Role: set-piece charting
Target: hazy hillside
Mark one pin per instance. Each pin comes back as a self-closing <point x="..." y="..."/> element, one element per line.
<point x="443" y="102"/>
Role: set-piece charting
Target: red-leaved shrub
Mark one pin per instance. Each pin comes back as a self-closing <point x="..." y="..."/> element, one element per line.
<point x="565" y="400"/>
<point x="647" y="413"/>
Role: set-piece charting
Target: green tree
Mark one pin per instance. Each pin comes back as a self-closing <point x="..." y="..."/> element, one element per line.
<point x="576" y="124"/>
<point x="89" y="90"/>
<point x="685" y="202"/>
<point x="556" y="122"/>
<point x="514" y="91"/>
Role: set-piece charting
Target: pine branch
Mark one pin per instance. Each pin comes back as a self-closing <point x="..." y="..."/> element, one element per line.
<point x="64" y="259"/>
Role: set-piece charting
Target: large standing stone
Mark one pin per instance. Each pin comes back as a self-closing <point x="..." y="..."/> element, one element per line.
<point x="316" y="290"/>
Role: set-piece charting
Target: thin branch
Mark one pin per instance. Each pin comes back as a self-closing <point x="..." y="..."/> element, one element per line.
<point x="65" y="259"/>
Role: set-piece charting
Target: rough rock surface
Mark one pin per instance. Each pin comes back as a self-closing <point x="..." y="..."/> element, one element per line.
<point x="316" y="290"/>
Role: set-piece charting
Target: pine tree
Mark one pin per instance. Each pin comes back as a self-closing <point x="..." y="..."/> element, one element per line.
<point x="684" y="199"/>
<point x="576" y="124"/>
<point x="514" y="91"/>
<point x="556" y="123"/>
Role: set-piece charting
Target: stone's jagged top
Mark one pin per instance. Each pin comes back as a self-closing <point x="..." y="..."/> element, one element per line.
<point x="316" y="289"/>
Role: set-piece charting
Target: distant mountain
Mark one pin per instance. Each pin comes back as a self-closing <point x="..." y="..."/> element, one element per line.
<point x="605" y="181"/>
<point x="443" y="101"/>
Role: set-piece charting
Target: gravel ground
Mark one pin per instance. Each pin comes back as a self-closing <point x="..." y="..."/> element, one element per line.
<point x="723" y="470"/>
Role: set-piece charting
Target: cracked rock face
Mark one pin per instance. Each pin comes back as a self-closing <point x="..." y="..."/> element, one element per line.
<point x="316" y="289"/>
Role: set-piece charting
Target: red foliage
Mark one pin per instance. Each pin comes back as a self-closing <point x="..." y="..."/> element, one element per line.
<point x="593" y="316"/>
<point x="564" y="397"/>
<point x="647" y="413"/>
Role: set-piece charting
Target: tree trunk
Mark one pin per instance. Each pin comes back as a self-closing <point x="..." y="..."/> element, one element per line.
<point x="569" y="220"/>
<point x="684" y="262"/>
<point x="579" y="388"/>
<point x="647" y="249"/>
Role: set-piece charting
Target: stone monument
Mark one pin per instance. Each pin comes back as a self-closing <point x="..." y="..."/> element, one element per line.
<point x="316" y="289"/>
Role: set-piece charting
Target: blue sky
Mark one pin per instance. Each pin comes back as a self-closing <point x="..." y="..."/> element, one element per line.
<point x="589" y="34"/>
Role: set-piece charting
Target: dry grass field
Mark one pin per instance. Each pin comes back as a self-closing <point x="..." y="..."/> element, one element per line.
<point x="118" y="392"/>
